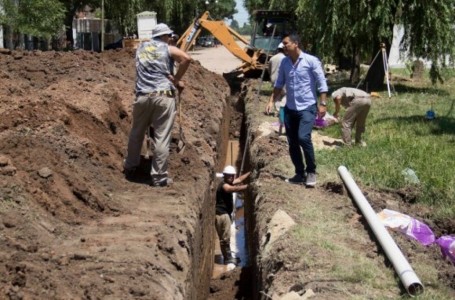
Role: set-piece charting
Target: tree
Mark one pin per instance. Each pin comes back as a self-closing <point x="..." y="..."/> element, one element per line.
<point x="38" y="18"/>
<point x="235" y="25"/>
<point x="356" y="28"/>
<point x="178" y="14"/>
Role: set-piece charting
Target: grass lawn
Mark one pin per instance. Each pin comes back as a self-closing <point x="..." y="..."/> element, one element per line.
<point x="399" y="136"/>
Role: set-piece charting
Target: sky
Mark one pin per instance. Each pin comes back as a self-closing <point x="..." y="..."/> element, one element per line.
<point x="242" y="15"/>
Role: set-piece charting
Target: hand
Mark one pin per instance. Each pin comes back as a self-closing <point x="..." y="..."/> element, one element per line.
<point x="180" y="85"/>
<point x="269" y="108"/>
<point x="322" y="111"/>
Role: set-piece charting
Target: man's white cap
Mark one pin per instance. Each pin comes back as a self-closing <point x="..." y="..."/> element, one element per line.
<point x="280" y="46"/>
<point x="229" y="170"/>
<point x="161" y="29"/>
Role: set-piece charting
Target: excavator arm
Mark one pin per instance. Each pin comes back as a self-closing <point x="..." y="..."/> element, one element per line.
<point x="225" y="35"/>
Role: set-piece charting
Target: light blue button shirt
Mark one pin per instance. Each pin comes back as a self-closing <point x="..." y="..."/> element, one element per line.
<point x="303" y="80"/>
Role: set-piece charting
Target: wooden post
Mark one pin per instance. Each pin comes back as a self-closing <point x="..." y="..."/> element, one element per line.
<point x="102" y="25"/>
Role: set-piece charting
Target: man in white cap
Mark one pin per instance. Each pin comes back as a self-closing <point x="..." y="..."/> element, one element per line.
<point x="155" y="103"/>
<point x="225" y="207"/>
<point x="274" y="63"/>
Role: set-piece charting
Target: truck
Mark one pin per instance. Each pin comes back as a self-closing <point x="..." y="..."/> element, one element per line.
<point x="269" y="28"/>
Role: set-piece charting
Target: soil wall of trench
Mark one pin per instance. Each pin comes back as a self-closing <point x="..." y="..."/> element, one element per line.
<point x="71" y="226"/>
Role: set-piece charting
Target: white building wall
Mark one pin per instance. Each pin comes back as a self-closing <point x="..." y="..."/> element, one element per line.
<point x="398" y="58"/>
<point x="394" y="56"/>
<point x="146" y="21"/>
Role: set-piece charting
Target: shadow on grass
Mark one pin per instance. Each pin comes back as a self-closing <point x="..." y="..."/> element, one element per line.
<point x="401" y="88"/>
<point x="440" y="125"/>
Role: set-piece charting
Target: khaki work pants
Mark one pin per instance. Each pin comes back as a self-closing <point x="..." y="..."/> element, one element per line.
<point x="223" y="229"/>
<point x="159" y="112"/>
<point x="355" y="115"/>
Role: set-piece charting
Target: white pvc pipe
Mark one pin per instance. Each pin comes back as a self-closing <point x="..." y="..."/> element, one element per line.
<point x="404" y="270"/>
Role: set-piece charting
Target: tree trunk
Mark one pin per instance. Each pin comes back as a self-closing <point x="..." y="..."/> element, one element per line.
<point x="9" y="40"/>
<point x="355" y="66"/>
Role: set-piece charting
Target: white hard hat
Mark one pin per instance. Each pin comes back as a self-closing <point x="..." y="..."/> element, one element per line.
<point x="230" y="170"/>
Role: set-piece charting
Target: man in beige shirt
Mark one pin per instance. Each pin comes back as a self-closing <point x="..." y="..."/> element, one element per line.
<point x="357" y="104"/>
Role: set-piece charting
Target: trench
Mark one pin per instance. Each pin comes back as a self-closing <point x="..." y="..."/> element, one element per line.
<point x="238" y="283"/>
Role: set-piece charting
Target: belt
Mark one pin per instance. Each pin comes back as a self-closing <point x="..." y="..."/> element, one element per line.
<point x="168" y="93"/>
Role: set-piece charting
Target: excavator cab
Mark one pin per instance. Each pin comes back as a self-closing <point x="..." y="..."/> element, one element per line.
<point x="270" y="26"/>
<point x="269" y="29"/>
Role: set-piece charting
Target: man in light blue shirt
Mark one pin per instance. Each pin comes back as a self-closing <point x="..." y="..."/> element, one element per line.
<point x="303" y="76"/>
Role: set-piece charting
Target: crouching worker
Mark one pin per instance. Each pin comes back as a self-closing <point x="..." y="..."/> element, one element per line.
<point x="225" y="207"/>
<point x="357" y="104"/>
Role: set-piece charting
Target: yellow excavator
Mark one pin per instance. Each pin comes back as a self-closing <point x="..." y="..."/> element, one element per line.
<point x="269" y="28"/>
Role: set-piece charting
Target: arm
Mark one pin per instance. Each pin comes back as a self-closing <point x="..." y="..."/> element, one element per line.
<point x="234" y="188"/>
<point x="184" y="60"/>
<point x="276" y="96"/>
<point x="322" y="108"/>
<point x="337" y="101"/>
<point x="241" y="178"/>
<point x="322" y="87"/>
<point x="277" y="90"/>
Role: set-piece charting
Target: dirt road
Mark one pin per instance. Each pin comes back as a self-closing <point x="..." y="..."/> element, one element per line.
<point x="216" y="59"/>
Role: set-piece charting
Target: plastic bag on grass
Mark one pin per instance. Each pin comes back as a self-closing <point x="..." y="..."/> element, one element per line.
<point x="409" y="226"/>
<point x="447" y="244"/>
<point x="325" y="121"/>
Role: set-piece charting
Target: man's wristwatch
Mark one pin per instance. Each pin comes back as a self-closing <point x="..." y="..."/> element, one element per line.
<point x="323" y="103"/>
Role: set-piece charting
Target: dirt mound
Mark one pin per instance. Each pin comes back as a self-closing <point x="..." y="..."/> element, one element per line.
<point x="65" y="118"/>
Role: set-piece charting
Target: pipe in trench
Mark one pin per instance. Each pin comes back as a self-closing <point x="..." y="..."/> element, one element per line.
<point x="404" y="270"/>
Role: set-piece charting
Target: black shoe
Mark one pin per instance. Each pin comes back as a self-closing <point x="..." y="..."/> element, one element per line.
<point x="297" y="179"/>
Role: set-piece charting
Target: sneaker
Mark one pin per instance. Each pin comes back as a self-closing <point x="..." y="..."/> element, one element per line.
<point x="297" y="179"/>
<point x="162" y="182"/>
<point x="361" y="144"/>
<point x="311" y="179"/>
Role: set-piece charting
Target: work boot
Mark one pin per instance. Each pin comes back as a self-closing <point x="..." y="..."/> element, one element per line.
<point x="227" y="254"/>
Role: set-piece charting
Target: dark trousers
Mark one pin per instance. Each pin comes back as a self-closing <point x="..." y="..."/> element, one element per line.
<point x="299" y="125"/>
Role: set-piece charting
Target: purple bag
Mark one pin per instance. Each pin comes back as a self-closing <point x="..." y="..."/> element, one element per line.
<point x="420" y="232"/>
<point x="447" y="244"/>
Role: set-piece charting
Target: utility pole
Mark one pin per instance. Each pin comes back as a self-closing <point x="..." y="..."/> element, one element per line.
<point x="102" y="25"/>
<point x="1" y="28"/>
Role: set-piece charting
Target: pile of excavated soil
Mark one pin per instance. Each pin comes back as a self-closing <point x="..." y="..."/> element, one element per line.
<point x="71" y="225"/>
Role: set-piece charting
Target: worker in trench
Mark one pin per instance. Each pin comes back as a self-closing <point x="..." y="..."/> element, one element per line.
<point x="225" y="207"/>
<point x="155" y="102"/>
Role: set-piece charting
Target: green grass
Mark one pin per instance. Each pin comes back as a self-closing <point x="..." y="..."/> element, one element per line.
<point x="399" y="137"/>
